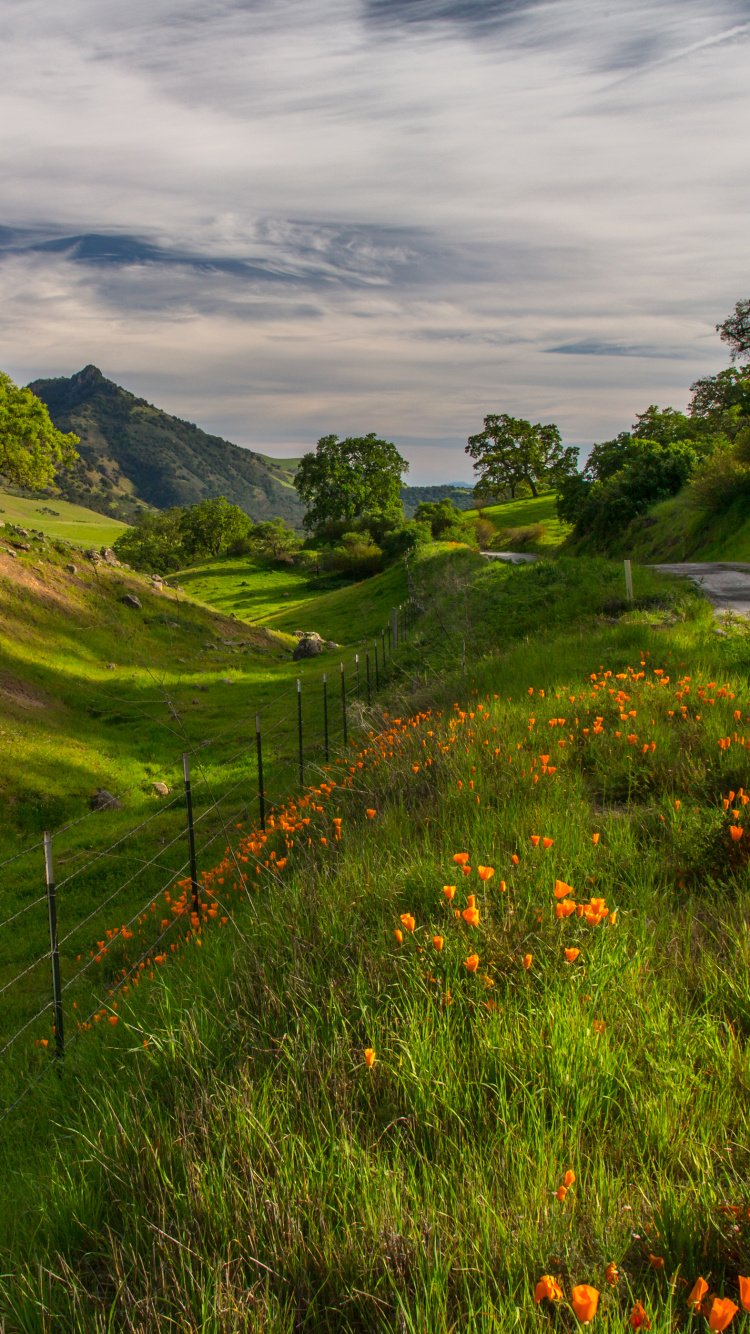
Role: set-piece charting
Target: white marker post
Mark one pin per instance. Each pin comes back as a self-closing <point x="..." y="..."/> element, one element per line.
<point x="628" y="581"/>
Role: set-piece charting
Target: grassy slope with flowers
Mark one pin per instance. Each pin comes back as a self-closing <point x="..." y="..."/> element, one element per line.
<point x="357" y="1105"/>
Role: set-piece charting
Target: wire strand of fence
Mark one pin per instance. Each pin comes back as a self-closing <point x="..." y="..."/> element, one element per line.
<point x="30" y="967"/>
<point x="28" y="1024"/>
<point x="34" y="904"/>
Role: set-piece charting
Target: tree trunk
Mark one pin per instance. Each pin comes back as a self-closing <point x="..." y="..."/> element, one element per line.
<point x="530" y="481"/>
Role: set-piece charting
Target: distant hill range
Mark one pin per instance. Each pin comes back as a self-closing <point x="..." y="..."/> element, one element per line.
<point x="134" y="454"/>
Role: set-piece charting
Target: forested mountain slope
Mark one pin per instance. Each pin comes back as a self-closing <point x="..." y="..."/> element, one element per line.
<point x="132" y="452"/>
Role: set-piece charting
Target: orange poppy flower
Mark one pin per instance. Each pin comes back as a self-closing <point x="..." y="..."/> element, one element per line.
<point x="408" y="921"/>
<point x="735" y="832"/>
<point x="369" y="1057"/>
<point x="548" y="1287"/>
<point x="438" y="942"/>
<point x="460" y="858"/>
<point x="535" y="840"/>
<point x="449" y="891"/>
<point x="547" y="842"/>
<point x="485" y="872"/>
<point x="527" y="960"/>
<point x="638" y="1317"/>
<point x="656" y="1261"/>
<point x="564" y="909"/>
<point x="503" y="887"/>
<point x="399" y="936"/>
<point x="371" y="814"/>
<point x="697" y="1293"/>
<point x="721" y="1313"/>
<point x="560" y="1193"/>
<point x="744" y="1292"/>
<point x="570" y="1178"/>
<point x="584" y="1301"/>
<point x="561" y="889"/>
<point x="612" y="1274"/>
<point x="514" y="859"/>
<point x="571" y="955"/>
<point x="113" y="1019"/>
<point x="599" y="1025"/>
<point x="471" y="915"/>
<point x="595" y="839"/>
<point x="472" y="963"/>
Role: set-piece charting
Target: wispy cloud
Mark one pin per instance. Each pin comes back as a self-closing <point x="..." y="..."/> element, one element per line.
<point x="283" y="218"/>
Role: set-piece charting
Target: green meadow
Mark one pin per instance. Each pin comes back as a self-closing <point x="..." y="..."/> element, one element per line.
<point x="59" y="519"/>
<point x="351" y="1095"/>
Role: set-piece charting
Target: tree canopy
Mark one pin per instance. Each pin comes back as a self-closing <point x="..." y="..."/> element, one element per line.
<point x="510" y="451"/>
<point x="31" y="448"/>
<point x="735" y="331"/>
<point x="345" y="479"/>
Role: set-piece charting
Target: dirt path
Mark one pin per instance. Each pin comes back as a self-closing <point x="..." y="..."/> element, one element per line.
<point x="726" y="584"/>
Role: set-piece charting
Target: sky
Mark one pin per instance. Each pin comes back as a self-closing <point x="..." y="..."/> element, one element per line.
<point x="287" y="218"/>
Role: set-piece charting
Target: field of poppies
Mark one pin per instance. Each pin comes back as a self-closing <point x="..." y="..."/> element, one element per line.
<point x="458" y="1042"/>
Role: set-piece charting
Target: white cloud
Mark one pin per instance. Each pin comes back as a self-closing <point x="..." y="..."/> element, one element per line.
<point x="343" y="216"/>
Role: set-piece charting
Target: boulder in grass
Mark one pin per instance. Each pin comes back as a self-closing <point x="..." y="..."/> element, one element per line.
<point x="103" y="800"/>
<point x="308" y="647"/>
<point x="160" y="789"/>
<point x="110" y="556"/>
<point x="130" y="600"/>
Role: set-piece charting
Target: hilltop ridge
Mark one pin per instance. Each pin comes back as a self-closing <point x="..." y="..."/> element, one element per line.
<point x="134" y="454"/>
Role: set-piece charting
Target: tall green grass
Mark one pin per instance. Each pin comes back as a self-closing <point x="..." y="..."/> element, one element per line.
<point x="245" y="1170"/>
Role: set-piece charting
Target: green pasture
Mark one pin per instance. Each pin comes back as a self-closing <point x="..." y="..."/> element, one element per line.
<point x="514" y="514"/>
<point x="84" y="527"/>
<point x="224" y="1160"/>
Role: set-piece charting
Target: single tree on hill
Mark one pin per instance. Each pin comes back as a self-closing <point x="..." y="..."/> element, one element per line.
<point x="510" y="451"/>
<point x="345" y="479"/>
<point x="31" y="448"/>
<point x="735" y="331"/>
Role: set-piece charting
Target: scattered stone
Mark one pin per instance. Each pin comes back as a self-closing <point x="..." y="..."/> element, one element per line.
<point x="72" y="569"/>
<point x="103" y="800"/>
<point x="8" y="552"/>
<point x="196" y="701"/>
<point x="161" y="789"/>
<point x="22" y="532"/>
<point x="174" y="625"/>
<point x="111" y="666"/>
<point x="203" y="687"/>
<point x="22" y="546"/>
<point x="308" y="647"/>
<point x="130" y="600"/>
<point x="285" y="595"/>
<point x="110" y="556"/>
<point x="226" y="681"/>
<point x="330" y="644"/>
<point x="210" y="648"/>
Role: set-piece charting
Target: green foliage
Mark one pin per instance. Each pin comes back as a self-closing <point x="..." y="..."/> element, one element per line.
<point x="444" y="519"/>
<point x="510" y="451"/>
<point x="622" y="479"/>
<point x="32" y="450"/>
<point x="355" y="555"/>
<point x="158" y="543"/>
<point x="720" y="480"/>
<point x="721" y="403"/>
<point x="211" y="527"/>
<point x="411" y="496"/>
<point x="346" y="479"/>
<point x="735" y="331"/>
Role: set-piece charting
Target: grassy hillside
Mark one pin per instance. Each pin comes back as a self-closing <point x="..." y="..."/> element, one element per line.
<point x="58" y="519"/>
<point x="224" y="1158"/>
<point x="526" y="525"/>
<point x="132" y="452"/>
<point x="679" y="530"/>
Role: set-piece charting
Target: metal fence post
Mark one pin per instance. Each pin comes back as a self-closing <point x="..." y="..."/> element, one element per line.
<point x="367" y="673"/>
<point x="382" y="640"/>
<point x="54" y="950"/>
<point x="356" y="660"/>
<point x="628" y="580"/>
<point x="325" y="714"/>
<point x="394" y="621"/>
<point x="343" y="701"/>
<point x="377" y="681"/>
<point x="191" y="831"/>
<point x="299" y="732"/>
<point x="261" y="794"/>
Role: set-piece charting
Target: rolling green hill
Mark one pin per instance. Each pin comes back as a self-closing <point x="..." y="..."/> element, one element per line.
<point x="60" y="519"/>
<point x="134" y="454"/>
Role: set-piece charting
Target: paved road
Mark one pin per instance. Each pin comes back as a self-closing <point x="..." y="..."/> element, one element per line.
<point x="725" y="583"/>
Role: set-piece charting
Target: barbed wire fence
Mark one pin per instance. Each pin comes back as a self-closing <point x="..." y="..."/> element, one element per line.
<point x="280" y="748"/>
